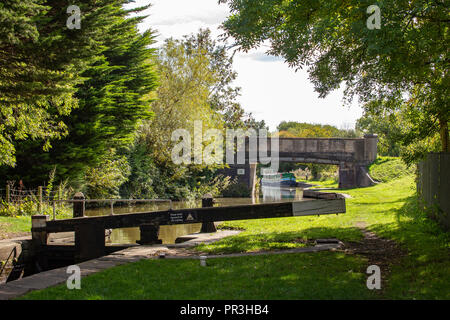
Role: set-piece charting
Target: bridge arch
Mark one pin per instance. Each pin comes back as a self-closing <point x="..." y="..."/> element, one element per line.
<point x="352" y="155"/>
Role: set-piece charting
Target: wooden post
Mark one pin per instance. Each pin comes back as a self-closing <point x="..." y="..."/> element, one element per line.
<point x="149" y="234"/>
<point x="208" y="202"/>
<point x="8" y="194"/>
<point x="39" y="239"/>
<point x="40" y="199"/>
<point x="112" y="207"/>
<point x="89" y="241"/>
<point x="78" y="206"/>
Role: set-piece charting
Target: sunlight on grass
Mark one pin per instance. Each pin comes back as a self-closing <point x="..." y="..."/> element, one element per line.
<point x="388" y="209"/>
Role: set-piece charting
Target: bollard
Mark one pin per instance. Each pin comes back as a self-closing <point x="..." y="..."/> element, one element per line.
<point x="89" y="241"/>
<point x="149" y="234"/>
<point x="78" y="206"/>
<point x="208" y="202"/>
<point x="203" y="261"/>
<point x="39" y="239"/>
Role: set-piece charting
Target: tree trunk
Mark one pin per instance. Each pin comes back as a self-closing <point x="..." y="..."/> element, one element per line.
<point x="443" y="123"/>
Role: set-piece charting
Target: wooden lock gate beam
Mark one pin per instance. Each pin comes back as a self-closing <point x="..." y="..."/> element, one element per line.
<point x="90" y="237"/>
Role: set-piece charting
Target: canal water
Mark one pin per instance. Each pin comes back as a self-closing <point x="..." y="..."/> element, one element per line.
<point x="168" y="234"/>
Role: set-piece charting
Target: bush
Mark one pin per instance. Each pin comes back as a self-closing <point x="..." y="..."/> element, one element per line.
<point x="237" y="190"/>
<point x="29" y="207"/>
<point x="104" y="181"/>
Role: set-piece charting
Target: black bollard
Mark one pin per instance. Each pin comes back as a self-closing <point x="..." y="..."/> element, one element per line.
<point x="208" y="202"/>
<point x="149" y="234"/>
<point x="78" y="206"/>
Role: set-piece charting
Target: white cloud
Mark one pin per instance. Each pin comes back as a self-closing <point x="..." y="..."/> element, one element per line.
<point x="260" y="56"/>
<point x="273" y="92"/>
<point x="270" y="89"/>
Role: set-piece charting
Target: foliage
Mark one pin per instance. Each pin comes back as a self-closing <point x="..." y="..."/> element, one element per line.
<point x="41" y="64"/>
<point x="222" y="95"/>
<point x="215" y="186"/>
<point x="196" y="78"/>
<point x="30" y="206"/>
<point x="397" y="133"/>
<point x="405" y="62"/>
<point x="51" y="180"/>
<point x="237" y="190"/>
<point x="387" y="126"/>
<point x="292" y="129"/>
<point x="104" y="181"/>
<point x="182" y="97"/>
<point x="112" y="98"/>
<point x="302" y="174"/>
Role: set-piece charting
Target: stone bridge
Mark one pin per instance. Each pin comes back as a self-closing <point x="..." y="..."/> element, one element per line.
<point x="352" y="155"/>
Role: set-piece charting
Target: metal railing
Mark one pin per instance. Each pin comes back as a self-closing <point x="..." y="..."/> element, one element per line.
<point x="111" y="202"/>
<point x="14" y="250"/>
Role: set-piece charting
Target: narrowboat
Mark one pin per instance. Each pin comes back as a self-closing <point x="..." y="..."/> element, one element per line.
<point x="284" y="179"/>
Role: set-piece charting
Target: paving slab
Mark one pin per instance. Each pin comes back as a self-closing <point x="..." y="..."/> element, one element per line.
<point x="11" y="291"/>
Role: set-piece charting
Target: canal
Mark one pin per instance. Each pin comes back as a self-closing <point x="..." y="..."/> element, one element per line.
<point x="168" y="234"/>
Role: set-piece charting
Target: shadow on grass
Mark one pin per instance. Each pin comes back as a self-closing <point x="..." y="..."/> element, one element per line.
<point x="382" y="202"/>
<point x="323" y="275"/>
<point x="255" y="242"/>
<point x="424" y="273"/>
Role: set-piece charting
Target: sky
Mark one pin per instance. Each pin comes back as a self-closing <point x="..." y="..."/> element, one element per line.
<point x="271" y="90"/>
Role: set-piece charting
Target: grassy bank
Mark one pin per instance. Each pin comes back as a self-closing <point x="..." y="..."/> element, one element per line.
<point x="15" y="221"/>
<point x="387" y="209"/>
<point x="14" y="226"/>
<point x="385" y="169"/>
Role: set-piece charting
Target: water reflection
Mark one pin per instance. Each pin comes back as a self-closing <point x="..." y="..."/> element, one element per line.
<point x="274" y="194"/>
<point x="168" y="234"/>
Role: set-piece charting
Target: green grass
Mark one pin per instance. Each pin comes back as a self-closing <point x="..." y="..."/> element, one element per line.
<point x="386" y="169"/>
<point x="377" y="205"/>
<point x="388" y="209"/>
<point x="330" y="183"/>
<point x="15" y="224"/>
<point x="22" y="223"/>
<point x="295" y="276"/>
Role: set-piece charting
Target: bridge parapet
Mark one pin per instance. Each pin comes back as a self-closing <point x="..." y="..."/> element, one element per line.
<point x="320" y="150"/>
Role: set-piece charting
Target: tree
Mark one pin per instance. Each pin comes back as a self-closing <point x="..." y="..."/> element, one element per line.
<point x="112" y="99"/>
<point x="223" y="95"/>
<point x="183" y="97"/>
<point x="405" y="61"/>
<point x="388" y="128"/>
<point x="309" y="130"/>
<point x="40" y="66"/>
<point x="397" y="136"/>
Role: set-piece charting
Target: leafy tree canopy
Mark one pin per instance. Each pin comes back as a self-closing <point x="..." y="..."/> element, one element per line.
<point x="41" y="64"/>
<point x="110" y="91"/>
<point x="292" y="129"/>
<point x="405" y="61"/>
